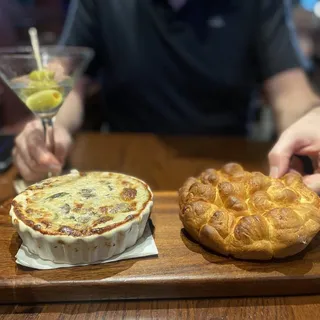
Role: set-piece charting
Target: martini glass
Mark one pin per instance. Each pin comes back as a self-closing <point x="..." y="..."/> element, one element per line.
<point x="43" y="90"/>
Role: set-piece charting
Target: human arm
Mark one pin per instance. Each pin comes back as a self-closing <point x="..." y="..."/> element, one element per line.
<point x="282" y="64"/>
<point x="71" y="114"/>
<point x="81" y="29"/>
<point x="301" y="138"/>
<point x="32" y="156"/>
<point x="286" y="87"/>
<point x="290" y="96"/>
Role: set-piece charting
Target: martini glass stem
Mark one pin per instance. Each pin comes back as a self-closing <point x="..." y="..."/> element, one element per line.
<point x="48" y="131"/>
<point x="47" y="124"/>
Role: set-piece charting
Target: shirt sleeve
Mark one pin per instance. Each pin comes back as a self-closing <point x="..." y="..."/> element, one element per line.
<point x="82" y="29"/>
<point x="277" y="44"/>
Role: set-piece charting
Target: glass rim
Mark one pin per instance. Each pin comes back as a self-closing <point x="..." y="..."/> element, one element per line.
<point x="27" y="51"/>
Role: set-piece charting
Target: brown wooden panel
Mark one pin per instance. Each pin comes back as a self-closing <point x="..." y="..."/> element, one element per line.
<point x="288" y="308"/>
<point x="164" y="163"/>
<point x="183" y="269"/>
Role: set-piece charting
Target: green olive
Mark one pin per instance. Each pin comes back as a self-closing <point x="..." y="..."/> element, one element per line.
<point x="44" y="100"/>
<point x="37" y="86"/>
<point x="40" y="75"/>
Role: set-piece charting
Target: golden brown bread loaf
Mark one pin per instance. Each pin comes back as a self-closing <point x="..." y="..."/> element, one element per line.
<point x="249" y="215"/>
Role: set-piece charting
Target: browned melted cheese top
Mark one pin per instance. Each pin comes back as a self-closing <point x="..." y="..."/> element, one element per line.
<point x="82" y="204"/>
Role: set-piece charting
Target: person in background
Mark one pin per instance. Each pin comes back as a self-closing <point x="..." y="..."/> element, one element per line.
<point x="13" y="115"/>
<point x="179" y="66"/>
<point x="304" y="21"/>
<point x="10" y="13"/>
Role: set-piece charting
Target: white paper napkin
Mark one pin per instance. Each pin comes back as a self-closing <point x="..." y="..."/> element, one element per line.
<point x="20" y="185"/>
<point x="144" y="247"/>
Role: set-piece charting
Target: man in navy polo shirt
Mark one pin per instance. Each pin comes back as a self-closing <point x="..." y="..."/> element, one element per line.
<point x="178" y="66"/>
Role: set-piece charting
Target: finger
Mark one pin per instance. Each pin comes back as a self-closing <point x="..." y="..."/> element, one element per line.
<point x="296" y="165"/>
<point x="23" y="151"/>
<point x="316" y="162"/>
<point x="40" y="153"/>
<point x="31" y="135"/>
<point x="313" y="182"/>
<point x="25" y="171"/>
<point x="280" y="155"/>
<point x="14" y="154"/>
<point x="63" y="143"/>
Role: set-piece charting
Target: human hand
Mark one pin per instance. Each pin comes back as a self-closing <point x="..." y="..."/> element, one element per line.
<point x="301" y="138"/>
<point x="32" y="156"/>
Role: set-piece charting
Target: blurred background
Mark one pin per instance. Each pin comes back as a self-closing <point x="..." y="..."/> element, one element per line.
<point x="48" y="16"/>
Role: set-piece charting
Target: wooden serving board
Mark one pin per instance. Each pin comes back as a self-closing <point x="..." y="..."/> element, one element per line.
<point x="183" y="269"/>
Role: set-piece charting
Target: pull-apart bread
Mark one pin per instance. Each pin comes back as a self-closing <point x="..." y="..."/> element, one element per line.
<point x="249" y="215"/>
<point x="82" y="217"/>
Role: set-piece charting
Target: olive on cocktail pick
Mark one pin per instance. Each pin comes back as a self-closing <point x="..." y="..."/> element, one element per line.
<point x="44" y="100"/>
<point x="40" y="75"/>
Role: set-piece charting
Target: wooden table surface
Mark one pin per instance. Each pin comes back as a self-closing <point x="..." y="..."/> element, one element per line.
<point x="164" y="162"/>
